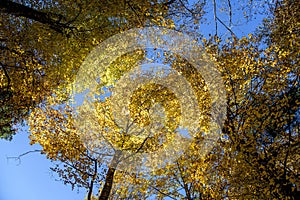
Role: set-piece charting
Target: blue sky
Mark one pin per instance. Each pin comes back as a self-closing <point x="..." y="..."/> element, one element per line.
<point x="32" y="179"/>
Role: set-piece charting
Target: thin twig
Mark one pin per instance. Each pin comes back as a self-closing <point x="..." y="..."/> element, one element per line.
<point x="158" y="190"/>
<point x="215" y="16"/>
<point x="133" y="9"/>
<point x="18" y="158"/>
<point x="230" y="12"/>
<point x="90" y="192"/>
<point x="186" y="7"/>
<point x="232" y="33"/>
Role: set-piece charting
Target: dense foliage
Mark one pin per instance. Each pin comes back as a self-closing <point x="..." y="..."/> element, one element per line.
<point x="43" y="44"/>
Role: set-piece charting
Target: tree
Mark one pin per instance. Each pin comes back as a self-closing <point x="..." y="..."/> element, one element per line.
<point x="261" y="141"/>
<point x="44" y="43"/>
<point x="257" y="155"/>
<point x="55" y="129"/>
<point x="257" y="150"/>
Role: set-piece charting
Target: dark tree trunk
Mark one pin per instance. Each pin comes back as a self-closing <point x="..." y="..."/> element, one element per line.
<point x="110" y="176"/>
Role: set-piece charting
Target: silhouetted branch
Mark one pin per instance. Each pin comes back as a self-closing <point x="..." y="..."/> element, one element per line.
<point x="18" y="158"/>
<point x="51" y="19"/>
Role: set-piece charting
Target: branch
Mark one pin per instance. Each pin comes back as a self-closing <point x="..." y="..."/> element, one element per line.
<point x="133" y="9"/>
<point x="76" y="168"/>
<point x="215" y="16"/>
<point x="18" y="158"/>
<point x="232" y="33"/>
<point x="185" y="186"/>
<point x="230" y="12"/>
<point x="189" y="10"/>
<point x="161" y="192"/>
<point x="169" y="2"/>
<point x="92" y="181"/>
<point x="19" y="10"/>
<point x="6" y="74"/>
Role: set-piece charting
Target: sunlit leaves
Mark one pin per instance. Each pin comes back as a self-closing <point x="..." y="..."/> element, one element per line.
<point x="38" y="56"/>
<point x="258" y="151"/>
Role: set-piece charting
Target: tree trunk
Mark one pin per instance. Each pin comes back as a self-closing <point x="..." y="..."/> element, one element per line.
<point x="110" y="176"/>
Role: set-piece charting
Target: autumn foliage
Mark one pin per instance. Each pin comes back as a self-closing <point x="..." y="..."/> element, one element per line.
<point x="258" y="150"/>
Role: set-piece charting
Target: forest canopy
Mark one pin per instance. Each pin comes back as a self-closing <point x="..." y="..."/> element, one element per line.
<point x="46" y="46"/>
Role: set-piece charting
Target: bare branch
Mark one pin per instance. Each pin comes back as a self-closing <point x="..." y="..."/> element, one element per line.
<point x="90" y="192"/>
<point x="18" y="158"/>
<point x="230" y="12"/>
<point x="232" y="33"/>
<point x="161" y="192"/>
<point x="189" y="10"/>
<point x="215" y="16"/>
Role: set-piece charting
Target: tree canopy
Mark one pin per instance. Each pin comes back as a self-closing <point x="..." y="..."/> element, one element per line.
<point x="256" y="156"/>
<point x="44" y="43"/>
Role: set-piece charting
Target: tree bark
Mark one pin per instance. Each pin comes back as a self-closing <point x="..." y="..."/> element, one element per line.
<point x="51" y="19"/>
<point x="110" y="176"/>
